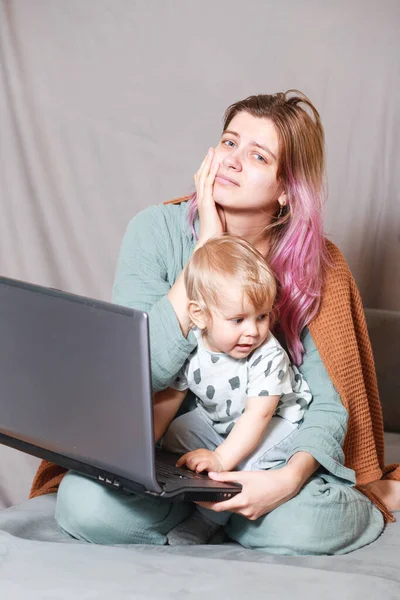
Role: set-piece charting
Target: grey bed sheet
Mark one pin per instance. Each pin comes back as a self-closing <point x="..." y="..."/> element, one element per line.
<point x="38" y="561"/>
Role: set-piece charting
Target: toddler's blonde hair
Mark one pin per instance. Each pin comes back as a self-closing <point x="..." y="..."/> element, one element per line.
<point x="225" y="258"/>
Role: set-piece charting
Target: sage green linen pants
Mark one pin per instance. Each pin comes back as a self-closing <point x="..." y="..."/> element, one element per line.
<point x="326" y="517"/>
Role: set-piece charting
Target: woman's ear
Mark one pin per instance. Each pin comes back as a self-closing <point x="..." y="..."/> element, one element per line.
<point x="197" y="315"/>
<point x="283" y="199"/>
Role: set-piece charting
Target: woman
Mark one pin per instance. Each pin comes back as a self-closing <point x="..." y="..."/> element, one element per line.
<point x="263" y="182"/>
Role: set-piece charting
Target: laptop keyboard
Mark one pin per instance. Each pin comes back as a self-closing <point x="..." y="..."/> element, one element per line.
<point x="167" y="472"/>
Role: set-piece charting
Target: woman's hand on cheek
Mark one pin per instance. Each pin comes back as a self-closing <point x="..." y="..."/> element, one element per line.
<point x="262" y="491"/>
<point x="210" y="216"/>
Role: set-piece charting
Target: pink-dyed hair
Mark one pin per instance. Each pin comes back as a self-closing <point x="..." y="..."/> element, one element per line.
<point x="297" y="252"/>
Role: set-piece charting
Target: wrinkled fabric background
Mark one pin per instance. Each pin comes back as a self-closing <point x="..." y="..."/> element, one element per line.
<point x="109" y="106"/>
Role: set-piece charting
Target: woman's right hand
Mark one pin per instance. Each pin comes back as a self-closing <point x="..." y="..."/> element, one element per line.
<point x="212" y="223"/>
<point x="211" y="217"/>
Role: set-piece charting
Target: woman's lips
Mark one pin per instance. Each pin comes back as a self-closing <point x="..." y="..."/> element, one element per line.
<point x="224" y="180"/>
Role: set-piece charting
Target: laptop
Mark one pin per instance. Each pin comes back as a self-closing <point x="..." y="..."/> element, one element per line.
<point x="75" y="381"/>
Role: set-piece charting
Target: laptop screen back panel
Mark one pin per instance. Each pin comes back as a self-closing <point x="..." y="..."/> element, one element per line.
<point x="75" y="379"/>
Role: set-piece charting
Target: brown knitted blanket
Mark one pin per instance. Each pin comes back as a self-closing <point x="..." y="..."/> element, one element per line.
<point x="340" y="334"/>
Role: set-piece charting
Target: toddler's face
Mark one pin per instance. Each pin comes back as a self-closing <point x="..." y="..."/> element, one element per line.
<point x="236" y="327"/>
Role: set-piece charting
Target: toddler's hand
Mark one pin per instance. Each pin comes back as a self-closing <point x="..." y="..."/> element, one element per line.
<point x="201" y="460"/>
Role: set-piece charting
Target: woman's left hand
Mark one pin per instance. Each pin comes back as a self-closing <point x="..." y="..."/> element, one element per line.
<point x="262" y="491"/>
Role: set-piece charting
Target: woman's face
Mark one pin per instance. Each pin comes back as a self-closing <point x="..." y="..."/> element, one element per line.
<point x="248" y="161"/>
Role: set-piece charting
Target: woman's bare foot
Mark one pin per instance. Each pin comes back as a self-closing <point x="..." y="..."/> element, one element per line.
<point x="388" y="491"/>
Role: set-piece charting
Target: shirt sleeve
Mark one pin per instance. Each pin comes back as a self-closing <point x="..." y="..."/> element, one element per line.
<point x="181" y="382"/>
<point x="142" y="281"/>
<point x="324" y="426"/>
<point x="269" y="373"/>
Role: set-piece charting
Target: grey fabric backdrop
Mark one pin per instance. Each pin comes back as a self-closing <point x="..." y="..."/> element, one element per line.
<point x="108" y="106"/>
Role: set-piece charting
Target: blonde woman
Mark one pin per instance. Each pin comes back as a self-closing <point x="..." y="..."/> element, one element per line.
<point x="264" y="182"/>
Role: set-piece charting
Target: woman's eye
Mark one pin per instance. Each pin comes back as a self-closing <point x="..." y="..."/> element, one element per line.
<point x="228" y="143"/>
<point x="262" y="317"/>
<point x="237" y="321"/>
<point x="259" y="158"/>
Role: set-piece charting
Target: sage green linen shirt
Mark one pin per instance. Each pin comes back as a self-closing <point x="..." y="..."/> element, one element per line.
<point x="157" y="244"/>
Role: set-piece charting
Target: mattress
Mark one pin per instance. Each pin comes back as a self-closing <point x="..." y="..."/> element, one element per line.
<point x="38" y="561"/>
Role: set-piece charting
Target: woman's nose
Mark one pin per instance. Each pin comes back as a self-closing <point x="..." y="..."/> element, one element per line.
<point x="232" y="160"/>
